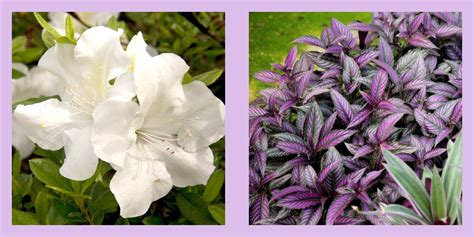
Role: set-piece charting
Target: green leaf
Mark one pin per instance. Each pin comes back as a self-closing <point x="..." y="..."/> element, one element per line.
<point x="438" y="197"/>
<point x="47" y="26"/>
<point x="16" y="164"/>
<point x="403" y="212"/>
<point x="218" y="213"/>
<point x="18" y="44"/>
<point x="48" y="39"/>
<point x="452" y="177"/>
<point x="48" y="172"/>
<point x="17" y="74"/>
<point x="208" y="77"/>
<point x="23" y="218"/>
<point x="69" y="193"/>
<point x="408" y="181"/>
<point x="112" y="23"/>
<point x="67" y="211"/>
<point x="42" y="206"/>
<point x="194" y="208"/>
<point x="65" y="40"/>
<point x="214" y="185"/>
<point x="28" y="55"/>
<point x="153" y="220"/>
<point x="102" y="200"/>
<point x="69" y="25"/>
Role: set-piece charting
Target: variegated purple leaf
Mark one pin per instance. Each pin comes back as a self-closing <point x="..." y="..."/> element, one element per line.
<point x="435" y="101"/>
<point x="267" y="76"/>
<point x="260" y="209"/>
<point x="337" y="207"/>
<point x="327" y="170"/>
<point x="351" y="70"/>
<point x="363" y="151"/>
<point x="310" y="176"/>
<point x="446" y="110"/>
<point x="385" y="128"/>
<point x="288" y="190"/>
<point x="351" y="178"/>
<point x="340" y="30"/>
<point x="333" y="138"/>
<point x="416" y="23"/>
<point x="368" y="180"/>
<point x="255" y="111"/>
<point x="328" y="124"/>
<point x="417" y="84"/>
<point x="343" y="108"/>
<point x="434" y="153"/>
<point x="303" y="83"/>
<point x="311" y="216"/>
<point x="334" y="49"/>
<point x="443" y="89"/>
<point x="299" y="200"/>
<point x="333" y="72"/>
<point x="386" y="105"/>
<point x="419" y="40"/>
<point x="292" y="147"/>
<point x="344" y="220"/>
<point x="368" y="98"/>
<point x="309" y="40"/>
<point x="379" y="84"/>
<point x="442" y="135"/>
<point x="433" y="123"/>
<point x="365" y="57"/>
<point x="261" y="161"/>
<point x="359" y="26"/>
<point x="360" y="117"/>
<point x="447" y="31"/>
<point x="313" y="123"/>
<point x="391" y="72"/>
<point x="457" y="113"/>
<point x="291" y="57"/>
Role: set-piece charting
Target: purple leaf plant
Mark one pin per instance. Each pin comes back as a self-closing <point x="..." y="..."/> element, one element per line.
<point x="316" y="139"/>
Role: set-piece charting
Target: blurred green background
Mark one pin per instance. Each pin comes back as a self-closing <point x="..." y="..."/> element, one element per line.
<point x="40" y="195"/>
<point x="271" y="35"/>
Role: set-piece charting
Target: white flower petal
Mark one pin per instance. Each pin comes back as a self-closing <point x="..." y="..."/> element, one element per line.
<point x="20" y="141"/>
<point x="37" y="82"/>
<point x="100" y="54"/>
<point x="113" y="133"/>
<point x="80" y="162"/>
<point x="138" y="184"/>
<point x="186" y="168"/>
<point x="20" y="67"/>
<point x="136" y="50"/>
<point x="123" y="88"/>
<point x="45" y="122"/>
<point x="58" y="20"/>
<point x="159" y="84"/>
<point x="96" y="18"/>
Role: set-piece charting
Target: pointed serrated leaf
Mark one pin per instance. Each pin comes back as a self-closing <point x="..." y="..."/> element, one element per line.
<point x="267" y="76"/>
<point x="313" y="124"/>
<point x="311" y="216"/>
<point x="291" y="57"/>
<point x="379" y="84"/>
<point x="343" y="108"/>
<point x="309" y="40"/>
<point x="419" y="40"/>
<point x="338" y="206"/>
<point x="299" y="200"/>
<point x="333" y="138"/>
<point x="385" y="52"/>
<point x="260" y="209"/>
<point x="385" y="128"/>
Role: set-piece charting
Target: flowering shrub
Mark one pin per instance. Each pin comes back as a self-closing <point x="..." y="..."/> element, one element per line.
<point x="317" y="139"/>
<point x="117" y="128"/>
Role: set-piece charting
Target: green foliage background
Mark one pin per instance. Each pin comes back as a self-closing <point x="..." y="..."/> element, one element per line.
<point x="40" y="195"/>
<point x="271" y="35"/>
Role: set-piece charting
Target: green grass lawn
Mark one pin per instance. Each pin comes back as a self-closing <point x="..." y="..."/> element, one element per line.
<point x="271" y="35"/>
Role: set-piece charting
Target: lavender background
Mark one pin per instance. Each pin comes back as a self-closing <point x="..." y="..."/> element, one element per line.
<point x="237" y="116"/>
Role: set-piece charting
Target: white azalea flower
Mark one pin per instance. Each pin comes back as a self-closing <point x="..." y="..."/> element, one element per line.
<point x="85" y="70"/>
<point x="96" y="18"/>
<point x="35" y="83"/>
<point x="165" y="140"/>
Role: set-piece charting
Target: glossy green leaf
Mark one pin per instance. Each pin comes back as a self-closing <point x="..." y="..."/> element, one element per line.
<point x="48" y="39"/>
<point x="69" y="25"/>
<point x="208" y="77"/>
<point x="214" y="186"/>
<point x="47" y="26"/>
<point x="194" y="208"/>
<point x="409" y="182"/>
<point x="17" y="74"/>
<point x="438" y="197"/>
<point x="42" y="206"/>
<point x="48" y="172"/>
<point x="153" y="220"/>
<point x="18" y="44"/>
<point x="28" y="55"/>
<point x="68" y="212"/>
<point x="218" y="213"/>
<point x="23" y="218"/>
<point x="16" y="164"/>
<point x="452" y="177"/>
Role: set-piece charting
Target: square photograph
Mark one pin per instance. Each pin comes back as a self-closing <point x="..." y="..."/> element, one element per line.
<point x="118" y="118"/>
<point x="355" y="118"/>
